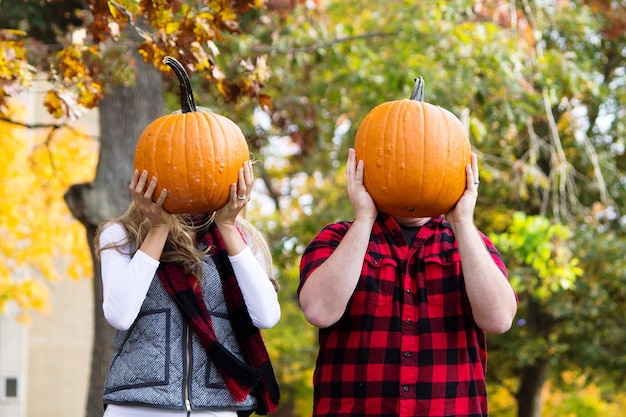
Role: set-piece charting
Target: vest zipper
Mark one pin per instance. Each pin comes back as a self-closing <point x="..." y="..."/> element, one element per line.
<point x="187" y="366"/>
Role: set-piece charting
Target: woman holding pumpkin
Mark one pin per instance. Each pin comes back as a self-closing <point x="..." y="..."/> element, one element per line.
<point x="403" y="298"/>
<point x="188" y="293"/>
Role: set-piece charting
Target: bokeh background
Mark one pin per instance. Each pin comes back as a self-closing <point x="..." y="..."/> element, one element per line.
<point x="539" y="84"/>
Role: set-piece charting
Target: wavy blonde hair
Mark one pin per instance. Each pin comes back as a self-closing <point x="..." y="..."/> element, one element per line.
<point x="181" y="247"/>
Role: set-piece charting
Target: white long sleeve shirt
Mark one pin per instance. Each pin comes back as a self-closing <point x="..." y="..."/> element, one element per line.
<point x="126" y="280"/>
<point x="125" y="283"/>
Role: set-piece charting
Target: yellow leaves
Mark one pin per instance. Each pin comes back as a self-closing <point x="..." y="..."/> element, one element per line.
<point x="26" y="293"/>
<point x="171" y="28"/>
<point x="261" y="70"/>
<point x="54" y="104"/>
<point x="76" y="86"/>
<point x="90" y="93"/>
<point x="39" y="239"/>
<point x="222" y="87"/>
<point x="15" y="72"/>
<point x="13" y="52"/>
<point x="116" y="10"/>
<point x="222" y="9"/>
<point x="71" y="65"/>
<point x="190" y="35"/>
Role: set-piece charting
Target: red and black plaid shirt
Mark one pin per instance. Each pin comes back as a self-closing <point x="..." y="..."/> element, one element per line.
<point x="407" y="344"/>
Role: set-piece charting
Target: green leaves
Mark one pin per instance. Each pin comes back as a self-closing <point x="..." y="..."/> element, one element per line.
<point x="539" y="255"/>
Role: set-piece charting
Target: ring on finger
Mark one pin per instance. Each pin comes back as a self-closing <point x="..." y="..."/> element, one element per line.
<point x="241" y="197"/>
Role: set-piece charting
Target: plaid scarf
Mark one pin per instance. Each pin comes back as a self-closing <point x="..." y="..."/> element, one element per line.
<point x="254" y="374"/>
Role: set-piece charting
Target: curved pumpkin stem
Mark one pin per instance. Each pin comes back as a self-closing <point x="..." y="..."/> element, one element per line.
<point x="418" y="90"/>
<point x="187" y="103"/>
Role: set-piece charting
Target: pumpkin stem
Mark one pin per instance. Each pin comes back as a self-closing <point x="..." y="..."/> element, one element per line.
<point x="187" y="103"/>
<point x="418" y="90"/>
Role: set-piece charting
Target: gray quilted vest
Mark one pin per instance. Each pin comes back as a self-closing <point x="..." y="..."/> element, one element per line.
<point x="150" y="359"/>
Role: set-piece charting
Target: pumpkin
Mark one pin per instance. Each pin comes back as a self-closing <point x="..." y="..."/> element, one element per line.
<point x="195" y="155"/>
<point x="415" y="154"/>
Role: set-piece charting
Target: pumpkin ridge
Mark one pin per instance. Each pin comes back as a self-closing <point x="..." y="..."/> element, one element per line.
<point x="385" y="168"/>
<point x="233" y="153"/>
<point x="219" y="148"/>
<point x="181" y="184"/>
<point x="400" y="148"/>
<point x="438" y="192"/>
<point x="420" y="166"/>
<point x="224" y="171"/>
<point x="442" y="135"/>
<point x="457" y="147"/>
<point x="153" y="168"/>
<point x="192" y="160"/>
<point x="203" y="187"/>
<point x="416" y="103"/>
<point x="450" y="151"/>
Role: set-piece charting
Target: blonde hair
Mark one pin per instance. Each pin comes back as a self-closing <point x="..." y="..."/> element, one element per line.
<point x="181" y="247"/>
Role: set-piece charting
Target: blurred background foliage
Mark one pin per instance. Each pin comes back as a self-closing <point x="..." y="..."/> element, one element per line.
<point x="540" y="85"/>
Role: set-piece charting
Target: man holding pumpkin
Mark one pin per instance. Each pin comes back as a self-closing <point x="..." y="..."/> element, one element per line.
<point x="403" y="303"/>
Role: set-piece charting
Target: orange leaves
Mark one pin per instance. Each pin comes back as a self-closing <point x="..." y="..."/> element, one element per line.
<point x="614" y="13"/>
<point x="188" y="31"/>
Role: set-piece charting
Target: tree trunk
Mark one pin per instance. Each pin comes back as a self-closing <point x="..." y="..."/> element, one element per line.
<point x="124" y="114"/>
<point x="531" y="384"/>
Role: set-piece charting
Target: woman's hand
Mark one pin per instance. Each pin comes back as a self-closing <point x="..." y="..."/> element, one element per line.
<point x="142" y="191"/>
<point x="225" y="217"/>
<point x="239" y="197"/>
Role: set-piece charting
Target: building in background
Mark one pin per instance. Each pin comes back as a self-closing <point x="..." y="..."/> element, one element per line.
<point x="13" y="365"/>
<point x="44" y="368"/>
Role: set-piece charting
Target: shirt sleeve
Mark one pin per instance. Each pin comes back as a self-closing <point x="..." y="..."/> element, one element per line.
<point x="320" y="248"/>
<point x="125" y="279"/>
<point x="495" y="254"/>
<point x="258" y="292"/>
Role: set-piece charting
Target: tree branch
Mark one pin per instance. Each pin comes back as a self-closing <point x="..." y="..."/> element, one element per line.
<point x="315" y="46"/>
<point x="53" y="126"/>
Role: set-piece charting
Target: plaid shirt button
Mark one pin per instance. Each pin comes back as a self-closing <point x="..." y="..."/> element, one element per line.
<point x="405" y="388"/>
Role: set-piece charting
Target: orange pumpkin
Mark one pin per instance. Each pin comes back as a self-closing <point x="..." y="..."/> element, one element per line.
<point x="415" y="155"/>
<point x="195" y="155"/>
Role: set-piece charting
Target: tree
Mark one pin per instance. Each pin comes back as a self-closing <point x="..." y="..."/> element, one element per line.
<point x="539" y="86"/>
<point x="35" y="169"/>
<point x="545" y="271"/>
